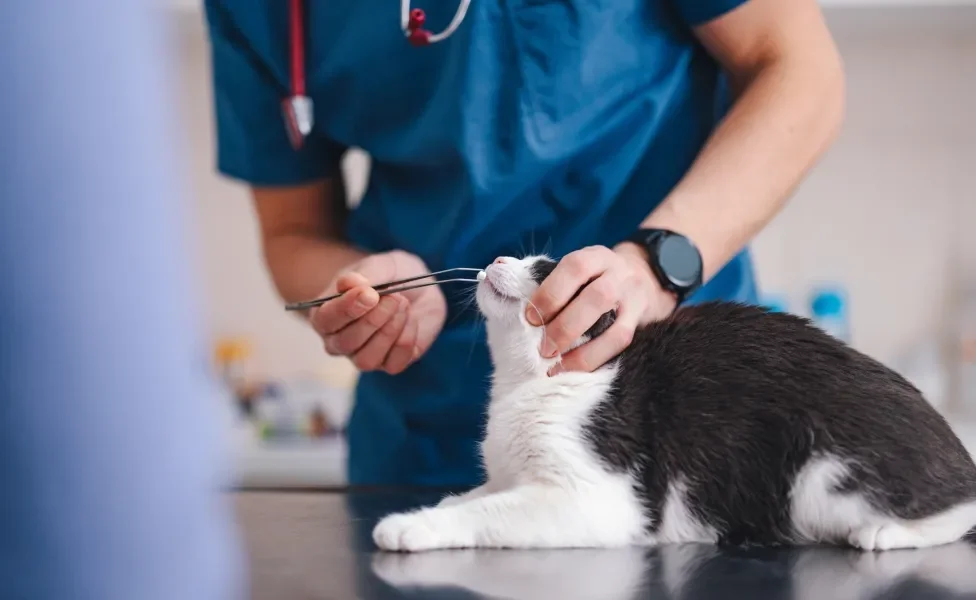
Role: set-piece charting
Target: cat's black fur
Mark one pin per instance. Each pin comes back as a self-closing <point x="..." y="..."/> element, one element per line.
<point x="737" y="399"/>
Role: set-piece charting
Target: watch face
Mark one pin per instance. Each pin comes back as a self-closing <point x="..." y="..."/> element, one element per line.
<point x="679" y="260"/>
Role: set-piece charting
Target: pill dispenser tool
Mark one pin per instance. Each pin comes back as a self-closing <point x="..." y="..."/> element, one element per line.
<point x="392" y="287"/>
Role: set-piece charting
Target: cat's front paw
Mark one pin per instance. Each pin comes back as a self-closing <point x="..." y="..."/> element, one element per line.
<point x="887" y="536"/>
<point x="418" y="531"/>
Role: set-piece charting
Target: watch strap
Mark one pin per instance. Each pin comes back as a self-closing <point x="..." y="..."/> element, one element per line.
<point x="651" y="239"/>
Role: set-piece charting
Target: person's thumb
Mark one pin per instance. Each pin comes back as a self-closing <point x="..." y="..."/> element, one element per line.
<point x="348" y="281"/>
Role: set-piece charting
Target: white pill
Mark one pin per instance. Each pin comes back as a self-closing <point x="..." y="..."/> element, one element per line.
<point x="482" y="275"/>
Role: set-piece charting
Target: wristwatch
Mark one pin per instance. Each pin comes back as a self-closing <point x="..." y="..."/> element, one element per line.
<point x="674" y="259"/>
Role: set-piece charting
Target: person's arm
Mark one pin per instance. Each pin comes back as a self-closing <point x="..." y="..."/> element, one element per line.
<point x="789" y="85"/>
<point x="301" y="210"/>
<point x="307" y="254"/>
<point x="297" y="192"/>
<point x="302" y="237"/>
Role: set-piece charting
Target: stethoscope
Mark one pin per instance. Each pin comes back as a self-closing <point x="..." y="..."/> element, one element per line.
<point x="297" y="107"/>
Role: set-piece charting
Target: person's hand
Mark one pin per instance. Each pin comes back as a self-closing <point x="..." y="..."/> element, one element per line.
<point x="387" y="333"/>
<point x="618" y="279"/>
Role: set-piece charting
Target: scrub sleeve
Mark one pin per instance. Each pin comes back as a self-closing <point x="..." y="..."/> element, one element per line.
<point x="252" y="142"/>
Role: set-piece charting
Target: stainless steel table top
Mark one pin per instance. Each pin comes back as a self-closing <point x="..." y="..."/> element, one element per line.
<point x="318" y="546"/>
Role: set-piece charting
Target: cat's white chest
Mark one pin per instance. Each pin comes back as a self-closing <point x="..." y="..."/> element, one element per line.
<point x="536" y="429"/>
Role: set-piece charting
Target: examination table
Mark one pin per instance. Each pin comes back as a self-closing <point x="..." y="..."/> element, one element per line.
<point x="317" y="545"/>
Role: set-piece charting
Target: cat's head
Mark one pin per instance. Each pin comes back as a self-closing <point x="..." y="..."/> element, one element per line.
<point x="504" y="299"/>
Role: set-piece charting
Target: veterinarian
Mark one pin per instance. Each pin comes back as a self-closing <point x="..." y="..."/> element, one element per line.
<point x="645" y="141"/>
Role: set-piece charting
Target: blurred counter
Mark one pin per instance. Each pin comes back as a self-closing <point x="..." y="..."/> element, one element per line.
<point x="294" y="464"/>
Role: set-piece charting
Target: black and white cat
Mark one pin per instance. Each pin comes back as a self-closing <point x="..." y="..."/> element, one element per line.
<point x="721" y="424"/>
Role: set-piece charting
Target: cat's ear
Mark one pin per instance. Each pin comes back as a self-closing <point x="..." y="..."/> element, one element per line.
<point x="542" y="268"/>
<point x="602" y="324"/>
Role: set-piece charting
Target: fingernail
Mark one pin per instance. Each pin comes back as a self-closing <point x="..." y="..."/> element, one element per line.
<point x="532" y="317"/>
<point x="416" y="352"/>
<point x="549" y="349"/>
<point x="367" y="299"/>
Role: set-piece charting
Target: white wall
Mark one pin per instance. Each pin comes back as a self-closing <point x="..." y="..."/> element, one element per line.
<point x="887" y="212"/>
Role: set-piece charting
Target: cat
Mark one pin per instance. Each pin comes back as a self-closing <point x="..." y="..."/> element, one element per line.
<point x="724" y="423"/>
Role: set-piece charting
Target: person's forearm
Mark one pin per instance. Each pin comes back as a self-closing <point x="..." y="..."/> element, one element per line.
<point x="302" y="265"/>
<point x="303" y="236"/>
<point x="785" y="118"/>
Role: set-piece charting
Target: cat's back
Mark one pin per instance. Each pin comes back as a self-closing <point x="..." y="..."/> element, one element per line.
<point x="735" y="338"/>
<point x="725" y="350"/>
<point x="733" y="363"/>
<point x="737" y="398"/>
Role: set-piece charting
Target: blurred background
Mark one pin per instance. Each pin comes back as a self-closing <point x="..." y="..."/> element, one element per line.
<point x="878" y="245"/>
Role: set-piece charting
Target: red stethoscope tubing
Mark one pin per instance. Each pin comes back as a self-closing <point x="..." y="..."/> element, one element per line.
<point x="298" y="106"/>
<point x="297" y="35"/>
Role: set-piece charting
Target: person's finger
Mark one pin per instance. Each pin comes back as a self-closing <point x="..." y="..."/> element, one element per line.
<point x="374" y="352"/>
<point x="334" y="315"/>
<point x="347" y="281"/>
<point x="597" y="352"/>
<point x="598" y="297"/>
<point x="573" y="272"/>
<point x="352" y="337"/>
<point x="405" y="350"/>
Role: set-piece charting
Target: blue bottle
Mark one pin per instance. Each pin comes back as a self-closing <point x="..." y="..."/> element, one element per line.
<point x="776" y="303"/>
<point x="828" y="309"/>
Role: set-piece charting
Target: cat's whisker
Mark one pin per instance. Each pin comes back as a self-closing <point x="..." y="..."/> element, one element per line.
<point x="478" y="319"/>
<point x="468" y="298"/>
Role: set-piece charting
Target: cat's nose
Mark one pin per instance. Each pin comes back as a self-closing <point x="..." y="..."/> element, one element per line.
<point x="501" y="260"/>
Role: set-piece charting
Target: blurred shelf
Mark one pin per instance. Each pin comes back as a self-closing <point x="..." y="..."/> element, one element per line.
<point x="299" y="464"/>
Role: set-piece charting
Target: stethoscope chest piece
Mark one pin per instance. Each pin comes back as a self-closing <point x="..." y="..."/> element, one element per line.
<point x="412" y="24"/>
<point x="299" y="118"/>
<point x="416" y="34"/>
<point x="297" y="108"/>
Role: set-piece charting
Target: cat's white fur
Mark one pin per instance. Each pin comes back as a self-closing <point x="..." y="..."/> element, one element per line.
<point x="547" y="488"/>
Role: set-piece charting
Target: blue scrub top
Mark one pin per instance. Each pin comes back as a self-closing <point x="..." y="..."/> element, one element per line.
<point x="536" y="126"/>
